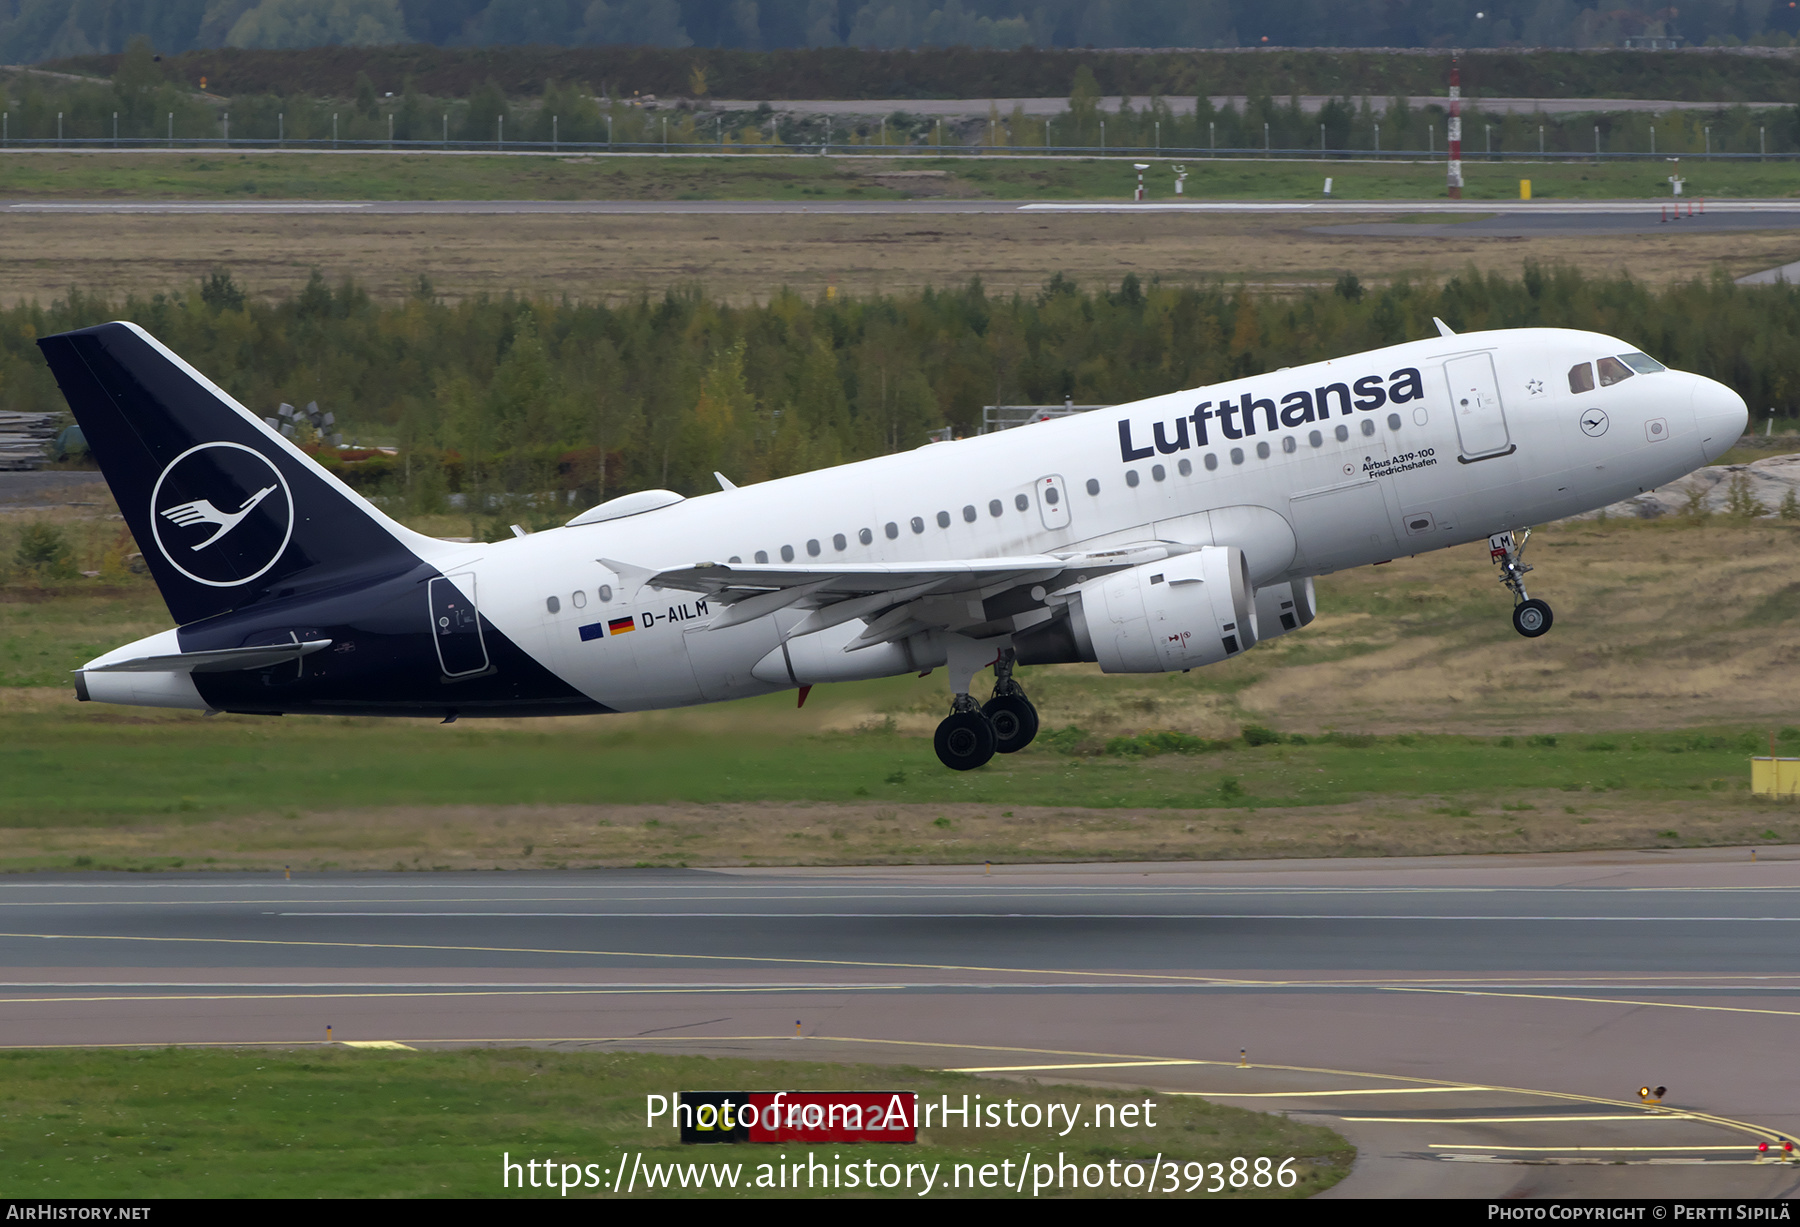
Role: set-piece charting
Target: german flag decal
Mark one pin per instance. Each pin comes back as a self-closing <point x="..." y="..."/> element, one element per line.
<point x="618" y="626"/>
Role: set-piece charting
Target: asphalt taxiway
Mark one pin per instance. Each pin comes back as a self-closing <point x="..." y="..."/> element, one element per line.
<point x="1477" y="1026"/>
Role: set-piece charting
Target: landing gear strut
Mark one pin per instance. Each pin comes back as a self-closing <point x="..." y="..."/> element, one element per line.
<point x="1531" y="617"/>
<point x="971" y="735"/>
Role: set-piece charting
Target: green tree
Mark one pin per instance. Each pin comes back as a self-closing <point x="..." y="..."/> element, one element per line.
<point x="319" y="23"/>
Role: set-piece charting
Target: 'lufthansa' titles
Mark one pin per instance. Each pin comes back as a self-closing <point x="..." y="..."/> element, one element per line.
<point x="1240" y="419"/>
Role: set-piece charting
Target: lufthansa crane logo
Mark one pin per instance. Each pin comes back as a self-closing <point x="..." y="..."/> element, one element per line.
<point x="222" y="514"/>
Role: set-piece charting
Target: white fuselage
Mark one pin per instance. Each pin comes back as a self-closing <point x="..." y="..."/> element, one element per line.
<point x="1430" y="444"/>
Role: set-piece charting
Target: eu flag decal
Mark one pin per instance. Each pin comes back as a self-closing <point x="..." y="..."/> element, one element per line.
<point x="593" y="630"/>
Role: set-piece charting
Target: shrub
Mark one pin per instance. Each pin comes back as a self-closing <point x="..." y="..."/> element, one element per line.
<point x="1257" y="735"/>
<point x="43" y="549"/>
<point x="1740" y="504"/>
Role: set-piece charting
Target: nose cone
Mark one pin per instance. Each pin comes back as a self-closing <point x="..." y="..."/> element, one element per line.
<point x="1720" y="415"/>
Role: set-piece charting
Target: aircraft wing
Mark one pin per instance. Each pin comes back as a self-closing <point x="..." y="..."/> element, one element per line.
<point x="827" y="581"/>
<point x="895" y="599"/>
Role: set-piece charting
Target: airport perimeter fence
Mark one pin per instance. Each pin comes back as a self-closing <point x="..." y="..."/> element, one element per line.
<point x="842" y="149"/>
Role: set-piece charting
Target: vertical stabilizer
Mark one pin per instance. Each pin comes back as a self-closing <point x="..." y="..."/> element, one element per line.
<point x="226" y="511"/>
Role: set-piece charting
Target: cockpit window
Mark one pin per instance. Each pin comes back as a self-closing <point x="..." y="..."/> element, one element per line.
<point x="1581" y="378"/>
<point x="1612" y="371"/>
<point x="1643" y="364"/>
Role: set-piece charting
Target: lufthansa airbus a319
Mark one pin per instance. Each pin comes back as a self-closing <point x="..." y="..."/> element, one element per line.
<point x="1162" y="535"/>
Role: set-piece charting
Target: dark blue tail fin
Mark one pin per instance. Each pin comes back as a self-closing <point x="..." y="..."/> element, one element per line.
<point x="226" y="511"/>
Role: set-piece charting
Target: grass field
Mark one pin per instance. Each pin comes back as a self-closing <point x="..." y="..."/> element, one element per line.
<point x="274" y="175"/>
<point x="613" y="258"/>
<point x="333" y="1122"/>
<point x="1410" y="719"/>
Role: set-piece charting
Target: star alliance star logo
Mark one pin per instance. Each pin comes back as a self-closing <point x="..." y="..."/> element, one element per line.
<point x="1535" y="387"/>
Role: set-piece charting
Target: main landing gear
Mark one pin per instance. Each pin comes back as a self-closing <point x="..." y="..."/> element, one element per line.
<point x="970" y="735"/>
<point x="1531" y="617"/>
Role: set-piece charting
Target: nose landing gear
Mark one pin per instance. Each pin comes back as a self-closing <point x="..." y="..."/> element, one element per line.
<point x="970" y="735"/>
<point x="1531" y="617"/>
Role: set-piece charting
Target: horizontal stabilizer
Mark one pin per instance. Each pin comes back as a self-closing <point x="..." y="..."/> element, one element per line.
<point x="220" y="660"/>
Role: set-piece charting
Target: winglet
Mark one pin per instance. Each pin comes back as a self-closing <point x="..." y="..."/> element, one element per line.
<point x="1444" y="330"/>
<point x="725" y="483"/>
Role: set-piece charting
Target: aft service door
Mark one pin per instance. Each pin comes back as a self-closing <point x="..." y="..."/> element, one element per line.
<point x="1475" y="401"/>
<point x="456" y="626"/>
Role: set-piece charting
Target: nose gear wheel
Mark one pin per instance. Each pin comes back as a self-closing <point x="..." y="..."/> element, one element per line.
<point x="1531" y="617"/>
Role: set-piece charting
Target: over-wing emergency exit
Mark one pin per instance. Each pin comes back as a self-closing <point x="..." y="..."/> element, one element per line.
<point x="1162" y="535"/>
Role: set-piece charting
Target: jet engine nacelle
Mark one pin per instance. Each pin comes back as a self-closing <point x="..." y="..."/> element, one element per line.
<point x="1182" y="612"/>
<point x="1281" y="608"/>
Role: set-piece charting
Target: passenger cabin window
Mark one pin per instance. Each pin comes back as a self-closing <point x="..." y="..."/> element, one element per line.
<point x="762" y="556"/>
<point x="1185" y="467"/>
<point x="578" y="599"/>
<point x="1023" y="503"/>
<point x="866" y="537"/>
<point x="1212" y="462"/>
<point x="1131" y="477"/>
<point x="1158" y="473"/>
<point x="1643" y="364"/>
<point x="1612" y="371"/>
<point x="943" y="518"/>
<point x="552" y="604"/>
<point x="996" y="508"/>
<point x="918" y="524"/>
<point x="812" y="547"/>
<point x="1581" y="378"/>
<point x="838" y="541"/>
<point x="969" y="513"/>
<point x="606" y="590"/>
<point x="1093" y="487"/>
<point x="892" y="530"/>
<point x="787" y="553"/>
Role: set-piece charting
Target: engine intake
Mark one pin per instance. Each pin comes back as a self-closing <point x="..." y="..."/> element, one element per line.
<point x="1281" y="608"/>
<point x="1180" y="613"/>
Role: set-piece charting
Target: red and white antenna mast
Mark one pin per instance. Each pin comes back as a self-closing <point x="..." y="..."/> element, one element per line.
<point x="1455" y="172"/>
